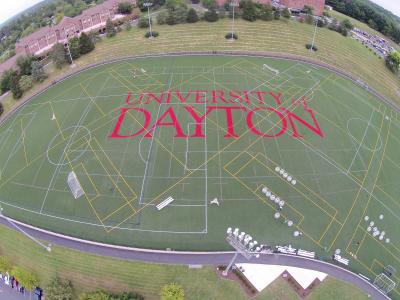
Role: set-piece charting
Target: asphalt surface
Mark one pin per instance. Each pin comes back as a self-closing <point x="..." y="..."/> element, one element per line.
<point x="7" y="293"/>
<point x="202" y="258"/>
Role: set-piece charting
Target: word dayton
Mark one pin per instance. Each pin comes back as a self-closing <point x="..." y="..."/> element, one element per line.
<point x="248" y="102"/>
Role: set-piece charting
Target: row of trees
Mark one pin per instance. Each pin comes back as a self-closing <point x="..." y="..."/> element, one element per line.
<point x="365" y="11"/>
<point x="77" y="47"/>
<point x="21" y="80"/>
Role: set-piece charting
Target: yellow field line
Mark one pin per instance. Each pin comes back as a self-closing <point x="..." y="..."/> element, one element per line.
<point x="359" y="191"/>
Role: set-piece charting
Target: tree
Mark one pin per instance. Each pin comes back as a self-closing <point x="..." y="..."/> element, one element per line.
<point x="162" y="17"/>
<point x="57" y="55"/>
<point x="211" y="15"/>
<point x="94" y="37"/>
<point x="59" y="289"/>
<point x="128" y="25"/>
<point x="277" y="14"/>
<point x="174" y="4"/>
<point x="15" y="87"/>
<point x="38" y="73"/>
<point x="110" y="29"/>
<point x="286" y="13"/>
<point x="347" y="24"/>
<point x="209" y="4"/>
<point x="85" y="43"/>
<point x="5" y="263"/>
<point x="74" y="48"/>
<point x="5" y="82"/>
<point x="180" y="14"/>
<point x="393" y="61"/>
<point x="144" y="22"/>
<point x="25" y="82"/>
<point x="266" y="13"/>
<point x="192" y="16"/>
<point x="249" y="11"/>
<point x="24" y="64"/>
<point x="25" y="278"/>
<point x="98" y="295"/>
<point x="125" y="8"/>
<point x="172" y="291"/>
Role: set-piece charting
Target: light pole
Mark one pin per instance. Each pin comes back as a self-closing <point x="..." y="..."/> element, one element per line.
<point x="233" y="4"/>
<point x="148" y="4"/>
<point x="70" y="56"/>
<point x="243" y="245"/>
<point x="315" y="32"/>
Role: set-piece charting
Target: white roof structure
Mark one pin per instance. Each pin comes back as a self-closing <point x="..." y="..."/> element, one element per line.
<point x="261" y="276"/>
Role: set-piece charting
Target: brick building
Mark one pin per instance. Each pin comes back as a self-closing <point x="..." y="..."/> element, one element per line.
<point x="92" y="19"/>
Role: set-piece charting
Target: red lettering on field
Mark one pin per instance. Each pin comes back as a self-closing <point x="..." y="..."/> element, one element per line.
<point x="250" y="125"/>
<point x="115" y="134"/>
<point x="198" y="119"/>
<point x="174" y="122"/>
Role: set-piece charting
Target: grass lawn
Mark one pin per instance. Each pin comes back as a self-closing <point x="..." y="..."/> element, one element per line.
<point x="90" y="272"/>
<point x="276" y="36"/>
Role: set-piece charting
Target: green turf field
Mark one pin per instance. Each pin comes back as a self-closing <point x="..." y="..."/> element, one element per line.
<point x="342" y="176"/>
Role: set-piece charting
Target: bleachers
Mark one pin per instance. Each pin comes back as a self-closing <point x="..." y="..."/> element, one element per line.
<point x="305" y="253"/>
<point x="341" y="260"/>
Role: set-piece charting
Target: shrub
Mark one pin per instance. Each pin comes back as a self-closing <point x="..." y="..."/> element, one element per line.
<point x="162" y="18"/>
<point x="172" y="291"/>
<point x="192" y="16"/>
<point x="110" y="29"/>
<point x="149" y="34"/>
<point x="38" y="73"/>
<point x="24" y="63"/>
<point x="15" y="87"/>
<point x="5" y="263"/>
<point x="57" y="55"/>
<point x="229" y="36"/>
<point x="286" y="13"/>
<point x="249" y="11"/>
<point x="266" y="13"/>
<point x="5" y="82"/>
<point x="59" y="289"/>
<point x="195" y="1"/>
<point x="309" y="46"/>
<point x="211" y="15"/>
<point x="125" y="8"/>
<point x="209" y="4"/>
<point x="85" y="44"/>
<point x="1" y="112"/>
<point x="277" y="14"/>
<point x="144" y="22"/>
<point x="74" y="48"/>
<point x="128" y="25"/>
<point x="25" y="82"/>
<point x="25" y="278"/>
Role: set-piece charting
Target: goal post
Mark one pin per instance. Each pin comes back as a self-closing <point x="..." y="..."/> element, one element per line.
<point x="74" y="185"/>
<point x="384" y="283"/>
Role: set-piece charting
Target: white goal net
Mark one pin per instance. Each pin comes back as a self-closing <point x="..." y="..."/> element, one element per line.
<point x="74" y="185"/>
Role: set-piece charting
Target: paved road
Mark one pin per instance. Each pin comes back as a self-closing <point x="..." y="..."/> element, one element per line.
<point x="7" y="293"/>
<point x="204" y="258"/>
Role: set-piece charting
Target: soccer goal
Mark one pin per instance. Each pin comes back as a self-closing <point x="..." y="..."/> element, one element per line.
<point x="384" y="283"/>
<point x="266" y="67"/>
<point x="74" y="185"/>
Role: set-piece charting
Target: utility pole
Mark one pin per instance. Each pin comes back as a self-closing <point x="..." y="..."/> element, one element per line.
<point x="315" y="32"/>
<point x="148" y="4"/>
<point x="233" y="4"/>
